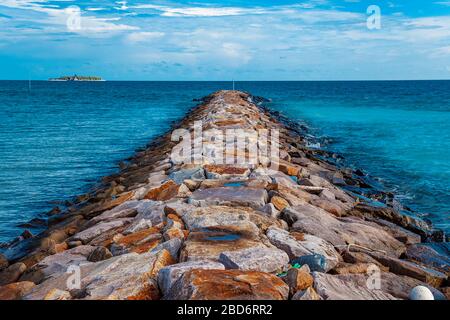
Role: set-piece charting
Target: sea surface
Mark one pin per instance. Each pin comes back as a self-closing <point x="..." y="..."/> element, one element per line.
<point x="58" y="138"/>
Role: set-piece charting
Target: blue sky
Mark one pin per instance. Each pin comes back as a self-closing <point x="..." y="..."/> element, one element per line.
<point x="220" y="40"/>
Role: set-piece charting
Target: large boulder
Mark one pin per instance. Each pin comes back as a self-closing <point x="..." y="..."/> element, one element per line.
<point x="210" y="243"/>
<point x="340" y="233"/>
<point x="221" y="216"/>
<point x="169" y="275"/>
<point x="126" y="277"/>
<point x="436" y="255"/>
<point x="16" y="290"/>
<point x="89" y="234"/>
<point x="336" y="287"/>
<point x="298" y="244"/>
<point x="228" y="285"/>
<point x="230" y="196"/>
<point x="258" y="259"/>
<point x="12" y="273"/>
<point x="410" y="269"/>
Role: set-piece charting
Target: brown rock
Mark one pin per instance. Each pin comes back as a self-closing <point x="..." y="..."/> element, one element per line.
<point x="289" y="169"/>
<point x="166" y="191"/>
<point x="361" y="257"/>
<point x="99" y="254"/>
<point x="173" y="233"/>
<point x="352" y="268"/>
<point x="3" y="262"/>
<point x="329" y="206"/>
<point x="279" y="203"/>
<point x="298" y="280"/>
<point x="12" y="273"/>
<point x="228" y="285"/>
<point x="57" y="294"/>
<point x="446" y="292"/>
<point x="210" y="243"/>
<point x="141" y="241"/>
<point x="410" y="269"/>
<point x="435" y="255"/>
<point x="15" y="291"/>
<point x="308" y="294"/>
<point x="225" y="172"/>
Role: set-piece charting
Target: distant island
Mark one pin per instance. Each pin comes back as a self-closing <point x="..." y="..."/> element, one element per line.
<point x="77" y="78"/>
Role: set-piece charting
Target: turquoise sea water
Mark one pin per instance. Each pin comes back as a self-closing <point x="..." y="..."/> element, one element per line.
<point x="58" y="138"/>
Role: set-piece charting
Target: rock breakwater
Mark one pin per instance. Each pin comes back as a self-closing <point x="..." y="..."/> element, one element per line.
<point x="182" y="221"/>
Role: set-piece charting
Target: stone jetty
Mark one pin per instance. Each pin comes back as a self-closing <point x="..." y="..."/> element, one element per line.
<point x="199" y="215"/>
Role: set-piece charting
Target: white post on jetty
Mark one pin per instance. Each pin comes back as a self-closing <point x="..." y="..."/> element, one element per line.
<point x="233" y="84"/>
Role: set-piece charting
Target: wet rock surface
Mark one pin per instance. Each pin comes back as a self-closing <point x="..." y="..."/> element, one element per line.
<point x="269" y="228"/>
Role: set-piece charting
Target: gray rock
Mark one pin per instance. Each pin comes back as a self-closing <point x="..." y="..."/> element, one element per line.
<point x="410" y="269"/>
<point x="138" y="225"/>
<point x="173" y="246"/>
<point x="221" y="216"/>
<point x="308" y="294"/>
<point x="196" y="173"/>
<point x="330" y="287"/>
<point x="258" y="259"/>
<point x="169" y="275"/>
<point x="270" y="210"/>
<point x="308" y="245"/>
<point x="230" y="196"/>
<point x="54" y="265"/>
<point x="151" y="210"/>
<point x="119" y="278"/>
<point x="87" y="235"/>
<point x="318" y="222"/>
<point x="118" y="249"/>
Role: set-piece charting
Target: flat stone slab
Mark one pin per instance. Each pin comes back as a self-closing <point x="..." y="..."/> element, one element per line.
<point x="179" y="176"/>
<point x="318" y="222"/>
<point x="410" y="269"/>
<point x="87" y="235"/>
<point x="237" y="219"/>
<point x="436" y="255"/>
<point x="330" y="287"/>
<point x="170" y="274"/>
<point x="228" y="285"/>
<point x="297" y="245"/>
<point x="129" y="276"/>
<point x="230" y="196"/>
<point x="210" y="243"/>
<point x="257" y="259"/>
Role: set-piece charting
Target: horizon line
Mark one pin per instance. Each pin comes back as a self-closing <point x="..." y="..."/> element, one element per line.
<point x="231" y="80"/>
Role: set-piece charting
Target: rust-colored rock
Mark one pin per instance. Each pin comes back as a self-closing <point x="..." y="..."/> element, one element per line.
<point x="228" y="285"/>
<point x="15" y="291"/>
<point x="141" y="241"/>
<point x="279" y="203"/>
<point x="166" y="191"/>
<point x="288" y="168"/>
<point x="298" y="279"/>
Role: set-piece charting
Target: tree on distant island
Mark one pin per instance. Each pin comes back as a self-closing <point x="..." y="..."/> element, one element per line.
<point x="78" y="78"/>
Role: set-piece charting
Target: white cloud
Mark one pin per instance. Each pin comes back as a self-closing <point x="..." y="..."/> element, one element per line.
<point x="137" y="37"/>
<point x="443" y="3"/>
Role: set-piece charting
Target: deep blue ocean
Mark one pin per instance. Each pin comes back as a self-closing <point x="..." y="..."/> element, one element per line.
<point x="58" y="138"/>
